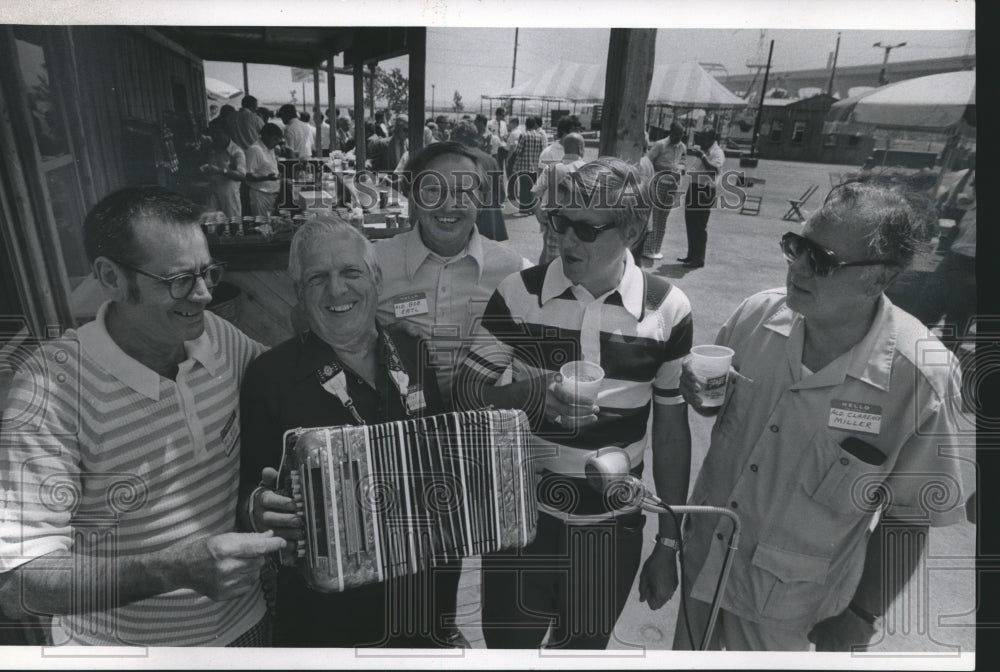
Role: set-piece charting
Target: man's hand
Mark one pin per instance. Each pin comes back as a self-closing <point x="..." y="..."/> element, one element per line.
<point x="225" y="566"/>
<point x="658" y="579"/>
<point x="842" y="632"/>
<point x="562" y="408"/>
<point x="272" y="511"/>
<point x="691" y="384"/>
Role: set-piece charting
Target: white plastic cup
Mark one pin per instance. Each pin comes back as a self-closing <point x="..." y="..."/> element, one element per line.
<point x="711" y="364"/>
<point x="582" y="380"/>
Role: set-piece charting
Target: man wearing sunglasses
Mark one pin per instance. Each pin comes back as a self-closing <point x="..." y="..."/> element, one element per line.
<point x="836" y="422"/>
<point x="591" y="303"/>
<point x="124" y="482"/>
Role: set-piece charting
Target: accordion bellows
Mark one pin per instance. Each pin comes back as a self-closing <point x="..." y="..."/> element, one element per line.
<point x="386" y="500"/>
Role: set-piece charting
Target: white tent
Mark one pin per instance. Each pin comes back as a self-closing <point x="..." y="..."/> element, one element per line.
<point x="680" y="85"/>
<point x="218" y="90"/>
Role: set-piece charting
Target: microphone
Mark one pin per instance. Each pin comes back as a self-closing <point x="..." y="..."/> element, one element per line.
<point x="607" y="472"/>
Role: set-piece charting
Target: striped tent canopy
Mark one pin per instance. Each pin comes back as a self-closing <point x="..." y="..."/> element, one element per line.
<point x="682" y="85"/>
<point x="570" y="81"/>
<point x="689" y="85"/>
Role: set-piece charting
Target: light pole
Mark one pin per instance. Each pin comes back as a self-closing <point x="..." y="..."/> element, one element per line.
<point x="432" y="99"/>
<point x="882" y="79"/>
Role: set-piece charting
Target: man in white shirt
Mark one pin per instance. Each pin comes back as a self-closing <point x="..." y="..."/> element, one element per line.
<point x="545" y="189"/>
<point x="704" y="172"/>
<point x="298" y="134"/>
<point x="262" y="177"/>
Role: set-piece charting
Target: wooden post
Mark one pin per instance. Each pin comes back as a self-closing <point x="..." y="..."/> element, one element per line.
<point x="417" y="39"/>
<point x="631" y="52"/>
<point x="359" y="115"/>
<point x="331" y="99"/>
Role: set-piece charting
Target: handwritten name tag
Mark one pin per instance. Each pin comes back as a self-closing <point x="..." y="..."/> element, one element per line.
<point x="409" y="305"/>
<point x="230" y="433"/>
<point x="854" y="416"/>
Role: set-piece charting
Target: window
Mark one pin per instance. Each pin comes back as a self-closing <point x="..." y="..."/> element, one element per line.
<point x="776" y="128"/>
<point x="798" y="132"/>
<point x="853" y="140"/>
<point x="830" y="140"/>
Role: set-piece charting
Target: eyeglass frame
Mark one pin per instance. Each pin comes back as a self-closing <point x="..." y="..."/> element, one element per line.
<point x="592" y="231"/>
<point x="831" y="263"/>
<point x="169" y="282"/>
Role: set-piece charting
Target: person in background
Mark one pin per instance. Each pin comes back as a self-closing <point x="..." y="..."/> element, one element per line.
<point x="245" y="126"/>
<point x="226" y="169"/>
<point x="298" y="134"/>
<point x="344" y="135"/>
<point x="498" y="127"/>
<point x="126" y="488"/>
<point x="529" y="147"/>
<point x="384" y="153"/>
<point x="488" y="142"/>
<point x="263" y="178"/>
<point x="515" y="129"/>
<point x="222" y="120"/>
<point x="553" y="153"/>
<point x="668" y="157"/>
<point x="839" y="418"/>
<point x="381" y="129"/>
<point x="701" y="195"/>
<point x="592" y="303"/>
<point x="444" y="127"/>
<point x="544" y="190"/>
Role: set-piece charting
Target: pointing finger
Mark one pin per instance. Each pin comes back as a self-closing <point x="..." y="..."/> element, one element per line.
<point x="257" y="543"/>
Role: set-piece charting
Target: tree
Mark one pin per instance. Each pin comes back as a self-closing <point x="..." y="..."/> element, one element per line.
<point x="457" y="103"/>
<point x="391" y="87"/>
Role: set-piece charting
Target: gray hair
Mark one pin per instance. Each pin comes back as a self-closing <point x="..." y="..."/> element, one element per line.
<point x="895" y="222"/>
<point x="611" y="183"/>
<point x="327" y="226"/>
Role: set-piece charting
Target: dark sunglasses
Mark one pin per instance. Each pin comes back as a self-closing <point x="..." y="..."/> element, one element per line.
<point x="585" y="232"/>
<point x="822" y="261"/>
<point x="182" y="284"/>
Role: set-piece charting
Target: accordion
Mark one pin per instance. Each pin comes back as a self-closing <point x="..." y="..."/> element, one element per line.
<point x="386" y="500"/>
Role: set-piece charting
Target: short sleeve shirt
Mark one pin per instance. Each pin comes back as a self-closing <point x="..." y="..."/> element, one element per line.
<point x="803" y="458"/>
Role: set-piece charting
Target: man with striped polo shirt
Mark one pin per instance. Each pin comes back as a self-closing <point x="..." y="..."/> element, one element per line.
<point x="591" y="303"/>
<point x="120" y="451"/>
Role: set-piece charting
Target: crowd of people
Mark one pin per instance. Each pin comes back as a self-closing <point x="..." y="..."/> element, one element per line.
<point x="187" y="413"/>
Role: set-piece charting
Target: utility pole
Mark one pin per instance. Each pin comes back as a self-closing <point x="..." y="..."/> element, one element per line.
<point x="882" y="79"/>
<point x="750" y="161"/>
<point x="432" y="99"/>
<point x="514" y="69"/>
<point x="833" y="70"/>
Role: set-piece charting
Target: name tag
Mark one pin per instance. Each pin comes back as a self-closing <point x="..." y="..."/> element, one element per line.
<point x="854" y="416"/>
<point x="230" y="433"/>
<point x="415" y="400"/>
<point x="408" y="305"/>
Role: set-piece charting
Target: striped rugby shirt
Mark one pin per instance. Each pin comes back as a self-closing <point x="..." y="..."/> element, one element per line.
<point x="638" y="332"/>
<point x="146" y="461"/>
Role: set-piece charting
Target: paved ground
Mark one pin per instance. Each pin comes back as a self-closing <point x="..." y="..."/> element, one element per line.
<point x="938" y="615"/>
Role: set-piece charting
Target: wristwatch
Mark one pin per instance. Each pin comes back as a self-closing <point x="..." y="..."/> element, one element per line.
<point x="672" y="544"/>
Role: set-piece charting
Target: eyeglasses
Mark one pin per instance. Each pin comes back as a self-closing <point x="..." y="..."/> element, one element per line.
<point x="587" y="233"/>
<point x="822" y="261"/>
<point x="182" y="284"/>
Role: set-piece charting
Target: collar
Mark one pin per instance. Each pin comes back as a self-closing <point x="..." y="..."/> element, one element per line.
<point x="415" y="253"/>
<point x="631" y="288"/>
<point x="316" y="353"/>
<point x="870" y="360"/>
<point x="570" y="158"/>
<point x="99" y="346"/>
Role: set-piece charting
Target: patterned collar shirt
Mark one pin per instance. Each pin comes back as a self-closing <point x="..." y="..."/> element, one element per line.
<point x="529" y="148"/>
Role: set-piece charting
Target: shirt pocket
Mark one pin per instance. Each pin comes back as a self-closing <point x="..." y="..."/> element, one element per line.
<point x="848" y="486"/>
<point x="787" y="584"/>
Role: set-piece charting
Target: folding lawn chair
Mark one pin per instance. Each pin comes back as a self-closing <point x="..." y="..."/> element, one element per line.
<point x="794" y="213"/>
